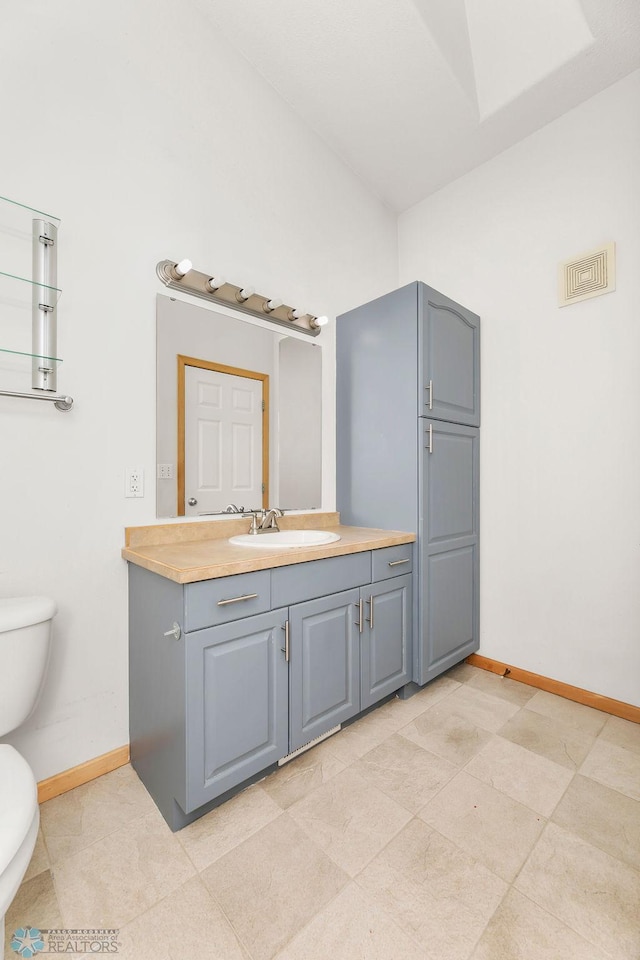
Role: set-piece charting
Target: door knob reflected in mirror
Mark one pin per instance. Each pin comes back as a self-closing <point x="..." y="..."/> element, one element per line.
<point x="192" y="501"/>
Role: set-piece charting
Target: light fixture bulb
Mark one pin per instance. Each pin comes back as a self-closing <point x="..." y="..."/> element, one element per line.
<point x="316" y="322"/>
<point x="214" y="283"/>
<point x="183" y="267"/>
<point x="271" y="305"/>
<point x="244" y="294"/>
<point x="296" y="314"/>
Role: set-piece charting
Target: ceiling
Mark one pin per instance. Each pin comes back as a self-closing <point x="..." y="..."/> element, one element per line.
<point x="414" y="93"/>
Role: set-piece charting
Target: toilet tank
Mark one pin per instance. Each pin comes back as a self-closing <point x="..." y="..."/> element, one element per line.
<point x="25" y="629"/>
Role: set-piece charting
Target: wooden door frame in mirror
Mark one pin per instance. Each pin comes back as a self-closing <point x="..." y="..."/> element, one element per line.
<point x="184" y="362"/>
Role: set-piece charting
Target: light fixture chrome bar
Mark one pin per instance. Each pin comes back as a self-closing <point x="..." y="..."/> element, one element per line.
<point x="197" y="284"/>
<point x="60" y="403"/>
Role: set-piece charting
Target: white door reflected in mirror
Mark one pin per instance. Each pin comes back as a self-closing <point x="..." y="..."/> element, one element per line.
<point x="224" y="455"/>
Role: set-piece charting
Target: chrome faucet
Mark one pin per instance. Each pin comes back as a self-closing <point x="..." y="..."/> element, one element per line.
<point x="264" y="521"/>
<point x="269" y="520"/>
<point x="233" y="509"/>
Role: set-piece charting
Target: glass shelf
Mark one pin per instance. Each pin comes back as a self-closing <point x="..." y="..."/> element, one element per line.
<point x="33" y="356"/>
<point x="23" y="211"/>
<point x="16" y="236"/>
<point x="23" y="280"/>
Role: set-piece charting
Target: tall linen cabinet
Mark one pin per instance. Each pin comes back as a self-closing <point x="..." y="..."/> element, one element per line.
<point x="408" y="417"/>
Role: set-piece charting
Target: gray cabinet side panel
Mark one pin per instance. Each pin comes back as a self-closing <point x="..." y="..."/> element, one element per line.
<point x="376" y="390"/>
<point x="157" y="688"/>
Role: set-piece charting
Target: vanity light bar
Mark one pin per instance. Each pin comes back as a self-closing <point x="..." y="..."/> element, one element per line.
<point x="215" y="289"/>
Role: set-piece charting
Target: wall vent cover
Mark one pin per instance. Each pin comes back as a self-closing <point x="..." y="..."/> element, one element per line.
<point x="589" y="275"/>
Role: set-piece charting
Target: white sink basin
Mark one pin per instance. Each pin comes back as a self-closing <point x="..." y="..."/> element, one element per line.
<point x="285" y="538"/>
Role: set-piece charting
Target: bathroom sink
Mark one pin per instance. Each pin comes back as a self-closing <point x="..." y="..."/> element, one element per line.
<point x="285" y="538"/>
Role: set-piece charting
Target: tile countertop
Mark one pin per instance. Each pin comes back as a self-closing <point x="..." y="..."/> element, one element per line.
<point x="187" y="552"/>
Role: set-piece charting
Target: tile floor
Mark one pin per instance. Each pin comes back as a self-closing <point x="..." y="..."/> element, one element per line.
<point x="480" y="820"/>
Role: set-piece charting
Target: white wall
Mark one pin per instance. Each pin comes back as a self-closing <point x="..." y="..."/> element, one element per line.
<point x="560" y="451"/>
<point x="134" y="124"/>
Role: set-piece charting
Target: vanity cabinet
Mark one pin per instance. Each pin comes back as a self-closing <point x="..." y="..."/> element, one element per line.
<point x="217" y="697"/>
<point x="324" y="668"/>
<point x="385" y="651"/>
<point x="236" y="703"/>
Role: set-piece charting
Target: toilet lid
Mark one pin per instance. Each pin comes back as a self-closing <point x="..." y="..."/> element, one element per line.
<point x="16" y="612"/>
<point x="18" y="802"/>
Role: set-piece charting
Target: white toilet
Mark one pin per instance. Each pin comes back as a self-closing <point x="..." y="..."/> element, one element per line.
<point x="25" y="629"/>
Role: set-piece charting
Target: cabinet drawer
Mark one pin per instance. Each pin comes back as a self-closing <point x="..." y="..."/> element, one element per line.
<point x="391" y="561"/>
<point x="319" y="578"/>
<point x="210" y="602"/>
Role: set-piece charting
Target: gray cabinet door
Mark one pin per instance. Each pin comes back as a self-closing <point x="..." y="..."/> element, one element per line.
<point x="385" y="644"/>
<point x="324" y="665"/>
<point x="448" y="554"/>
<point x="236" y="692"/>
<point x="449" y="387"/>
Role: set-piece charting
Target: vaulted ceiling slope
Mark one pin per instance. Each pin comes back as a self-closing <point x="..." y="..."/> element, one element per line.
<point x="414" y="93"/>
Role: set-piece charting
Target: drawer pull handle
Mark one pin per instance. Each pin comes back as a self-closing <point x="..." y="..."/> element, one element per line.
<point x="396" y="563"/>
<point x="247" y="596"/>
<point x="359" y="622"/>
<point x="370" y="620"/>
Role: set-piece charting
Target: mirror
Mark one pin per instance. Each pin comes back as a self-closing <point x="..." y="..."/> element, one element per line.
<point x="237" y="413"/>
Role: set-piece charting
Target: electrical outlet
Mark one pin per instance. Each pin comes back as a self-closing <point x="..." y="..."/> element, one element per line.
<point x="134" y="482"/>
<point x="165" y="471"/>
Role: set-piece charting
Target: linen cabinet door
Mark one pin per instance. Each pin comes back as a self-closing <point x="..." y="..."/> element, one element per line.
<point x="450" y="359"/>
<point x="324" y="665"/>
<point x="237" y="703"/>
<point x="385" y="652"/>
<point x="448" y="553"/>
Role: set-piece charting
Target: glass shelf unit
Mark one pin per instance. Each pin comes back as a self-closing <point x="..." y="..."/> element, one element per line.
<point x="27" y="307"/>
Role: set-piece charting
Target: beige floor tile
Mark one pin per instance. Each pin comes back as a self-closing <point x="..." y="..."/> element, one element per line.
<point x="213" y="835"/>
<point x="571" y="714"/>
<point x="76" y="819"/>
<point x="350" y="819"/>
<point x="351" y="928"/>
<point x="493" y="828"/>
<point x="450" y="737"/>
<point x="502" y="687"/>
<point x="475" y="706"/>
<point x="405" y="771"/>
<point x="426" y="697"/>
<point x="549" y="738"/>
<point x="521" y="930"/>
<point x="593" y="893"/>
<point x="301" y="776"/>
<point x="186" y="924"/>
<point x="524" y="776"/>
<point x="271" y="885"/>
<point x="615" y="767"/>
<point x="603" y="817"/>
<point x="39" y="860"/>
<point x="121" y="875"/>
<point x="358" y="738"/>
<point x="462" y="672"/>
<point x="35" y="905"/>
<point x="623" y="733"/>
<point x="440" y="895"/>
